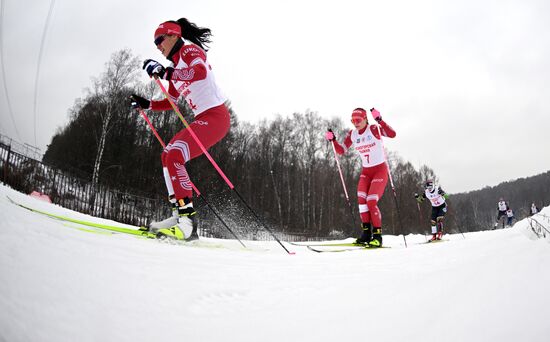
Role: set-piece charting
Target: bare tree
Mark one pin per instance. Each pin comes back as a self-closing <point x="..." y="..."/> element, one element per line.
<point x="121" y="72"/>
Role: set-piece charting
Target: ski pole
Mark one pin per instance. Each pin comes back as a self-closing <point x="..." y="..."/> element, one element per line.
<point x="213" y="162"/>
<point x="419" y="213"/>
<point x="391" y="183"/>
<point x="421" y="218"/>
<point x="151" y="127"/>
<point x="342" y="179"/>
<point x="142" y="112"/>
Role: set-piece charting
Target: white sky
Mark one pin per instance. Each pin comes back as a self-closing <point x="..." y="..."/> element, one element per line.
<point x="464" y="83"/>
<point x="62" y="284"/>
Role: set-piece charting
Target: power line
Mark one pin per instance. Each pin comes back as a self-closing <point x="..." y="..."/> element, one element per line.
<point x="52" y="3"/>
<point x="10" y="111"/>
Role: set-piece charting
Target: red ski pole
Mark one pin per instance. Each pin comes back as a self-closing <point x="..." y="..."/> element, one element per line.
<point x="342" y="179"/>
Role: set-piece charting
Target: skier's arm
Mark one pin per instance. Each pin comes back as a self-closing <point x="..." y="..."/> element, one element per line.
<point x="195" y="59"/>
<point x="347" y="144"/>
<point x="338" y="148"/>
<point x="331" y="137"/>
<point x="196" y="72"/>
<point x="443" y="193"/>
<point x="165" y="104"/>
<point x="385" y="129"/>
<point x="155" y="69"/>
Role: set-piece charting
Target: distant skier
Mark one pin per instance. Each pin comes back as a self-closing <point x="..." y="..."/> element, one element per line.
<point x="367" y="141"/>
<point x="502" y="206"/>
<point x="184" y="44"/>
<point x="533" y="209"/>
<point x="437" y="198"/>
<point x="510" y="216"/>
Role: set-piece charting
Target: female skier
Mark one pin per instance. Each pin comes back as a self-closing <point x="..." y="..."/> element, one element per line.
<point x="367" y="141"/>
<point x="184" y="44"/>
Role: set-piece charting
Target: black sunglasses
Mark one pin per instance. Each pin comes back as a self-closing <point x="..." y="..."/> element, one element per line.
<point x="159" y="40"/>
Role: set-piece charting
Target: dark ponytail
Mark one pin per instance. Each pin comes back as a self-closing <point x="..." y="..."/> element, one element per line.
<point x="193" y="33"/>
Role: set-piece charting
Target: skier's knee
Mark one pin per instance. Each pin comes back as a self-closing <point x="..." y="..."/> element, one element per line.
<point x="372" y="205"/>
<point x="372" y="201"/>
<point x="174" y="156"/>
<point x="361" y="197"/>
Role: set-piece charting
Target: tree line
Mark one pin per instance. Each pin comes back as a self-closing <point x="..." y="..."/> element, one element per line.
<point x="283" y="167"/>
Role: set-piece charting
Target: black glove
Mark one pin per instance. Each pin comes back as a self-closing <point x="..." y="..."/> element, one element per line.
<point x="329" y="135"/>
<point x="415" y="195"/>
<point x="139" y="102"/>
<point x="154" y="68"/>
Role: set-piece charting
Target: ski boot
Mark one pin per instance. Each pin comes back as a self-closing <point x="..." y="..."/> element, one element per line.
<point x="439" y="235"/>
<point x="376" y="241"/>
<point x="366" y="236"/>
<point x="186" y="226"/>
<point x="434" y="238"/>
<point x="166" y="223"/>
<point x="174" y="233"/>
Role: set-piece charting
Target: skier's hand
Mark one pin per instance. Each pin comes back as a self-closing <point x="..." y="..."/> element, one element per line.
<point x="154" y="68"/>
<point x="329" y="135"/>
<point x="415" y="195"/>
<point x="376" y="114"/>
<point x="139" y="102"/>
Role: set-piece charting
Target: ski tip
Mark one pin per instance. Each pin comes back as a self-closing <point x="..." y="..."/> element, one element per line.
<point x="292" y="253"/>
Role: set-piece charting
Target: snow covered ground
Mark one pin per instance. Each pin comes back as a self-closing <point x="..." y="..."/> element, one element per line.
<point x="60" y="283"/>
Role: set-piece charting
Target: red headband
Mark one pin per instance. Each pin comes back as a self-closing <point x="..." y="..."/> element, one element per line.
<point x="359" y="113"/>
<point x="168" y="28"/>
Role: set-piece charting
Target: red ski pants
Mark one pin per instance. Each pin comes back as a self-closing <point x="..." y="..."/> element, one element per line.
<point x="210" y="127"/>
<point x="370" y="189"/>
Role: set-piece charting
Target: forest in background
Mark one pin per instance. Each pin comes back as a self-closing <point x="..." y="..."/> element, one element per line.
<point x="283" y="167"/>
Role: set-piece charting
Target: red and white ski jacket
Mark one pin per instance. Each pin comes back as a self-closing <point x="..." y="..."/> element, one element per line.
<point x="192" y="78"/>
<point x="367" y="143"/>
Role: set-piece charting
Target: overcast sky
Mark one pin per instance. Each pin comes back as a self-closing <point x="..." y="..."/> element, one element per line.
<point x="466" y="84"/>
